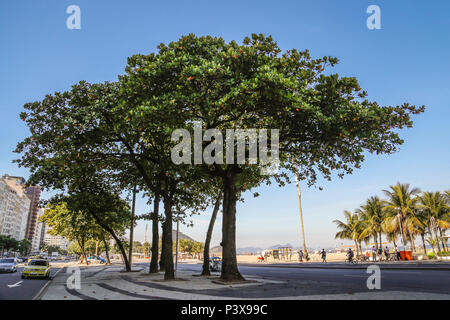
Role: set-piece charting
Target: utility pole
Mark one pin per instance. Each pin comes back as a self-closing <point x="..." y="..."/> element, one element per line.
<point x="301" y="217"/>
<point x="133" y="208"/>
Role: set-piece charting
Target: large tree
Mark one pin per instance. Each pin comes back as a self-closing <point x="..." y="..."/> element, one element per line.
<point x="326" y="123"/>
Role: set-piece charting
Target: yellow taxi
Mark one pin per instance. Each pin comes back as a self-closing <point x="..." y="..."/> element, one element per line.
<point x="36" y="268"/>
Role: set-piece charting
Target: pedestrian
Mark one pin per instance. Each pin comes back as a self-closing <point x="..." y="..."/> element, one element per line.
<point x="386" y="253"/>
<point x="324" y="256"/>
<point x="374" y="254"/>
<point x="380" y="252"/>
<point x="300" y="256"/>
<point x="397" y="253"/>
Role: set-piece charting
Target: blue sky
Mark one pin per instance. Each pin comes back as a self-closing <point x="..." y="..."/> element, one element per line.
<point x="406" y="61"/>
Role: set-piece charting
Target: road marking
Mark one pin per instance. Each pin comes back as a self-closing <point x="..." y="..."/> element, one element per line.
<point x="15" y="284"/>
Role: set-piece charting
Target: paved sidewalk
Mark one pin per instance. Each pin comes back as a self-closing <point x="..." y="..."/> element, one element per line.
<point x="111" y="283"/>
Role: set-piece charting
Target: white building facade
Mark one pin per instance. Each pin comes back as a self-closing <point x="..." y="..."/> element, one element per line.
<point x="14" y="207"/>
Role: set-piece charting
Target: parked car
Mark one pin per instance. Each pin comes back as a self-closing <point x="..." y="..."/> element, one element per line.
<point x="8" y="265"/>
<point x="36" y="268"/>
<point x="215" y="263"/>
<point x="96" y="258"/>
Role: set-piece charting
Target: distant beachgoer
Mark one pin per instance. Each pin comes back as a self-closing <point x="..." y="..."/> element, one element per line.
<point x="397" y="253"/>
<point x="324" y="256"/>
<point x="374" y="254"/>
<point x="300" y="256"/>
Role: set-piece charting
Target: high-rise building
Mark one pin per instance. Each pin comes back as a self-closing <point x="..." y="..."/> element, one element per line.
<point x="14" y="207"/>
<point x="56" y="241"/>
<point x="34" y="193"/>
<point x="37" y="237"/>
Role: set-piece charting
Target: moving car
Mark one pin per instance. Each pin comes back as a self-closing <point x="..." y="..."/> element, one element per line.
<point x="215" y="263"/>
<point x="36" y="268"/>
<point x="8" y="265"/>
<point x="96" y="258"/>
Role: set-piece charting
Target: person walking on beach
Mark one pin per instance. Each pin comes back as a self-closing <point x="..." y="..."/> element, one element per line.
<point x="300" y="256"/>
<point x="374" y="254"/>
<point x="324" y="256"/>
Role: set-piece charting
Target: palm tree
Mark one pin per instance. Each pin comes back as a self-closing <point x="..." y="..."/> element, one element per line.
<point x="372" y="215"/>
<point x="351" y="229"/>
<point x="434" y="207"/>
<point x="401" y="203"/>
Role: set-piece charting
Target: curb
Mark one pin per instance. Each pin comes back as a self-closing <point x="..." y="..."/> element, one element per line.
<point x="41" y="292"/>
<point x="360" y="267"/>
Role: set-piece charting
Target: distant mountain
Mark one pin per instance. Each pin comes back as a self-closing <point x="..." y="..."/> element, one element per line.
<point x="181" y="235"/>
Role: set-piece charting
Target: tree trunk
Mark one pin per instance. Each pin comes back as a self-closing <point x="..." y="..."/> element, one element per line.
<point x="133" y="208"/>
<point x="113" y="234"/>
<point x="169" y="273"/>
<point x="206" y="271"/>
<point x="376" y="242"/>
<point x="422" y="235"/>
<point x="83" y="251"/>
<point x="357" y="248"/>
<point x="155" y="235"/>
<point x="381" y="243"/>
<point x="108" y="260"/>
<point x="411" y="239"/>
<point x="444" y="244"/>
<point x="162" y="267"/>
<point x="96" y="247"/>
<point x="230" y="270"/>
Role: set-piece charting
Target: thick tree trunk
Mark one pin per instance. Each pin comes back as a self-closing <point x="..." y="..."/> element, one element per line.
<point x="155" y="235"/>
<point x="96" y="248"/>
<point x="357" y="248"/>
<point x="162" y="267"/>
<point x="381" y="243"/>
<point x="206" y="271"/>
<point x="230" y="270"/>
<point x="108" y="260"/>
<point x="169" y="273"/>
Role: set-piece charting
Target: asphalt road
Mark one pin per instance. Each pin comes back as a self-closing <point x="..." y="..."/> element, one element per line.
<point x="26" y="289"/>
<point x="310" y="281"/>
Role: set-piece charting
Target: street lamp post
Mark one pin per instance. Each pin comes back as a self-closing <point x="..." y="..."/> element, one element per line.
<point x="301" y="217"/>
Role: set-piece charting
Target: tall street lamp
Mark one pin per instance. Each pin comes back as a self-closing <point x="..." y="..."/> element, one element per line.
<point x="301" y="218"/>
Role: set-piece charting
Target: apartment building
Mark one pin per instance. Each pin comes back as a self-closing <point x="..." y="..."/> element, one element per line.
<point x="14" y="207"/>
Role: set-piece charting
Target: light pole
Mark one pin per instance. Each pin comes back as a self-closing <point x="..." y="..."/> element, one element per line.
<point x="301" y="217"/>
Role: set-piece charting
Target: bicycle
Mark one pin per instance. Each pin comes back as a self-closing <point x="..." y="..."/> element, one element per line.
<point x="351" y="261"/>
